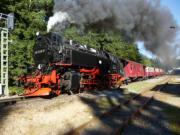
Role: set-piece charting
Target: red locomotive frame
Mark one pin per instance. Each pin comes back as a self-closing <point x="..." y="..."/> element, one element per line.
<point x="40" y="85"/>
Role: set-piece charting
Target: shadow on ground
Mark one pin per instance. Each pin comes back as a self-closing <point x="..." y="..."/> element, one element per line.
<point x="151" y="122"/>
<point x="172" y="89"/>
<point x="4" y="112"/>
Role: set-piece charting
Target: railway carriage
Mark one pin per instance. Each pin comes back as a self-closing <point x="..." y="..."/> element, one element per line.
<point x="149" y="72"/>
<point x="156" y="71"/>
<point x="133" y="70"/>
<point x="161" y="72"/>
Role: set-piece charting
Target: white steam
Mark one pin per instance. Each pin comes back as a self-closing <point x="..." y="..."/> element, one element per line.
<point x="58" y="17"/>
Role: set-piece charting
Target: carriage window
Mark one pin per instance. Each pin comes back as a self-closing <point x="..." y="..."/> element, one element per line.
<point x="131" y="67"/>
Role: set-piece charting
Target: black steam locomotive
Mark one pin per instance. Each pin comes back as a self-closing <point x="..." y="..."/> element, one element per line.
<point x="66" y="65"/>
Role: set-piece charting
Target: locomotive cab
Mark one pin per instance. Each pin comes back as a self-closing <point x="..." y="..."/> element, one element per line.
<point x="45" y="48"/>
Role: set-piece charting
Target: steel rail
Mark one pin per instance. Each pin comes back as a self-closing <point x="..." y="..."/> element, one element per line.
<point x="24" y="99"/>
<point x="14" y="100"/>
<point x="140" y="109"/>
<point x="112" y="110"/>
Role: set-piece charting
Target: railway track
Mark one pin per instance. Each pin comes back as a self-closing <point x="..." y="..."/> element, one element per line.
<point x="119" y="117"/>
<point x="18" y="99"/>
<point x="23" y="99"/>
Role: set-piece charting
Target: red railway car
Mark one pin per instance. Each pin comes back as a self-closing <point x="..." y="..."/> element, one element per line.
<point x="161" y="72"/>
<point x="133" y="70"/>
<point x="157" y="71"/>
<point x="149" y="72"/>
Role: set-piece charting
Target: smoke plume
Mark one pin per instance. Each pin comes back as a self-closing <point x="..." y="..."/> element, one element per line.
<point x="139" y="20"/>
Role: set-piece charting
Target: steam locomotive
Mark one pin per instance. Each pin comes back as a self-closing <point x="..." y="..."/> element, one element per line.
<point x="64" y="65"/>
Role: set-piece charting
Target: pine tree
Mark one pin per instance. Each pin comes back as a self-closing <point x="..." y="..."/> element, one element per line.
<point x="30" y="16"/>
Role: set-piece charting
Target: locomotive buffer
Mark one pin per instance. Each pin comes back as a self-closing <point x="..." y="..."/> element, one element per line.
<point x="8" y="22"/>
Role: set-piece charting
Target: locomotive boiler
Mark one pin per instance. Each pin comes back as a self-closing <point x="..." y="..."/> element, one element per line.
<point x="65" y="65"/>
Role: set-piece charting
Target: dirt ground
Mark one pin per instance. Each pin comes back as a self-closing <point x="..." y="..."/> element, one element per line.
<point x="60" y="115"/>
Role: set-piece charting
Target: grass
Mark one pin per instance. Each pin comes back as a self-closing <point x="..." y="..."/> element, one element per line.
<point x="174" y="115"/>
<point x="173" y="82"/>
<point x="107" y="102"/>
<point x="137" y="87"/>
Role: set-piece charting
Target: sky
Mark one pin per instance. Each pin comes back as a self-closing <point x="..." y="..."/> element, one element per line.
<point x="174" y="7"/>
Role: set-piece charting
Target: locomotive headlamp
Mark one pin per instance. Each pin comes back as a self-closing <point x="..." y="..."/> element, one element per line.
<point x="100" y="62"/>
<point x="39" y="66"/>
<point x="37" y="33"/>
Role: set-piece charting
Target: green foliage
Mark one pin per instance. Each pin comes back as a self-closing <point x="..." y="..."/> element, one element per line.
<point x="146" y="61"/>
<point x="30" y="17"/>
<point x="90" y="38"/>
<point x="14" y="90"/>
<point x="138" y="87"/>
